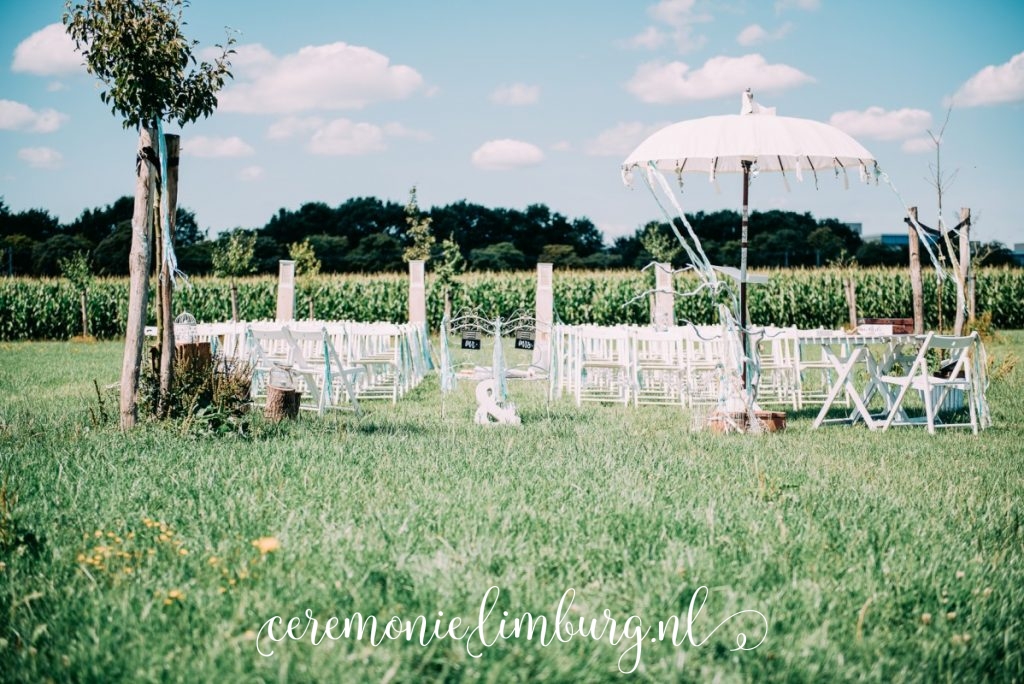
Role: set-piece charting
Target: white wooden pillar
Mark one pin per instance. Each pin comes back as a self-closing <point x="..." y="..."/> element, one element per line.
<point x="663" y="314"/>
<point x="417" y="293"/>
<point x="545" y="314"/>
<point x="286" y="291"/>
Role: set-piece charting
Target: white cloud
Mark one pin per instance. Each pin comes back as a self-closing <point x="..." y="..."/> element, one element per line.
<point x="251" y="173"/>
<point x="875" y="122"/>
<point x="515" y="95"/>
<point x="203" y="146"/>
<point x="755" y="33"/>
<point x="680" y="16"/>
<point x="293" y="125"/>
<point x="651" y="38"/>
<point x="993" y="85"/>
<point x="496" y="155"/>
<point x="918" y="145"/>
<point x="41" y="157"/>
<point x="806" y="5"/>
<point x="343" y="137"/>
<point x="15" y="116"/>
<point x="397" y="130"/>
<point x="660" y="83"/>
<point x="47" y="52"/>
<point x="752" y="35"/>
<point x="333" y="76"/>
<point x="621" y="140"/>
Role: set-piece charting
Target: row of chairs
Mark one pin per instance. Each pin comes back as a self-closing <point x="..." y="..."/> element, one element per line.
<point x="335" y="364"/>
<point x="684" y="365"/>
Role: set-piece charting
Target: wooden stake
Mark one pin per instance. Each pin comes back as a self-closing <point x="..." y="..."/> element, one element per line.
<point x="138" y="270"/>
<point x="964" y="270"/>
<point x="167" y="345"/>
<point x="916" y="286"/>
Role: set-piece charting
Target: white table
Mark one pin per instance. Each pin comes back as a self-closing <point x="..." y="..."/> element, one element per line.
<point x="845" y="353"/>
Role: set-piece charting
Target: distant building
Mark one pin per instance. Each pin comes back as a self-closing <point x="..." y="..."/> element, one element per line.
<point x="890" y="239"/>
<point x="1018" y="253"/>
<point x="857" y="228"/>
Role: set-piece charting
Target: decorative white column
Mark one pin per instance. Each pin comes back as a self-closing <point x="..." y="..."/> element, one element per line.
<point x="417" y="293"/>
<point x="545" y="314"/>
<point x="663" y="314"/>
<point x="286" y="291"/>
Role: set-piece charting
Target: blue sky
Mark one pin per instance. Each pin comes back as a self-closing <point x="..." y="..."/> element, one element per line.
<point x="508" y="104"/>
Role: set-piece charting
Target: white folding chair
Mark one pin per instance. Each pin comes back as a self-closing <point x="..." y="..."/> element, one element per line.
<point x="603" y="367"/>
<point x="660" y="366"/>
<point x="944" y="394"/>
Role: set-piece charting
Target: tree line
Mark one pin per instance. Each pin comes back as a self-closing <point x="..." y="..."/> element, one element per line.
<point x="366" y="235"/>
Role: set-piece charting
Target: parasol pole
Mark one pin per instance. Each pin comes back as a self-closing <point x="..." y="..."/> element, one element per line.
<point x="743" y="269"/>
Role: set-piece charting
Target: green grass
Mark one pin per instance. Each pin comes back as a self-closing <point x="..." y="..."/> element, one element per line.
<point x="842" y="538"/>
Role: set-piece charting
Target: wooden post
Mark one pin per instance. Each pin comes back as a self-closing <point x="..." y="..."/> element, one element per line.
<point x="544" y="311"/>
<point x="964" y="270"/>
<point x="138" y="270"/>
<point x="286" y="291"/>
<point x="850" y="288"/>
<point x="916" y="286"/>
<point x="85" y="313"/>
<point x="167" y="345"/>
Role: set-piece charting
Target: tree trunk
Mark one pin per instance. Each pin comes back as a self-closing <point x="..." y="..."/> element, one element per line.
<point x="916" y="286"/>
<point x="963" y="271"/>
<point x="167" y="345"/>
<point x="850" y="288"/>
<point x="85" y="313"/>
<point x="234" y="302"/>
<point x="138" y="288"/>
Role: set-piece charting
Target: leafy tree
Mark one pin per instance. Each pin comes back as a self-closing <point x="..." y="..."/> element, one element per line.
<point x="331" y="250"/>
<point x="16" y="251"/>
<point x="138" y="52"/>
<point x="307" y="267"/>
<point x="111" y="255"/>
<point x="449" y="265"/>
<point x="380" y="252"/>
<point x="232" y="259"/>
<point x="660" y="243"/>
<point x="560" y="255"/>
<point x="500" y="257"/>
<point x="826" y="245"/>
<point x="77" y="270"/>
<point x="419" y="235"/>
<point x="46" y="256"/>
<point x="878" y="254"/>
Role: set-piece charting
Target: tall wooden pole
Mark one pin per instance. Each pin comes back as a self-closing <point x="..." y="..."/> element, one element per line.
<point x="964" y="270"/>
<point x="167" y="345"/>
<point x="743" y="269"/>
<point x="138" y="270"/>
<point x="916" y="286"/>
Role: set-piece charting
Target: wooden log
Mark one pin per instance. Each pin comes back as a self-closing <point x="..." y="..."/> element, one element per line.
<point x="164" y="282"/>
<point x="138" y="288"/>
<point x="964" y="270"/>
<point x="916" y="286"/>
<point x="282" y="402"/>
<point x="850" y="289"/>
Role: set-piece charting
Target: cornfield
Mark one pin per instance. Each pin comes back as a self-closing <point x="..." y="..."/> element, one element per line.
<point x="49" y="308"/>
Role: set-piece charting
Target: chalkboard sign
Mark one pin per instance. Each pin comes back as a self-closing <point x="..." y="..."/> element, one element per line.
<point x="471" y="340"/>
<point x="524" y="343"/>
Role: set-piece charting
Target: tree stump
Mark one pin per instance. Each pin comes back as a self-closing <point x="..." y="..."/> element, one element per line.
<point x="282" y="402"/>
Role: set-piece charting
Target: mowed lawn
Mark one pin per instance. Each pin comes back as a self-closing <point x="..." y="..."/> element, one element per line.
<point x="162" y="554"/>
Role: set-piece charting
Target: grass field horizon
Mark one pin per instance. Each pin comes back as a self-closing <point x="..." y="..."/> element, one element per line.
<point x="162" y="553"/>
